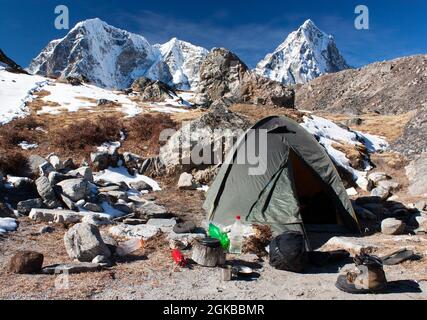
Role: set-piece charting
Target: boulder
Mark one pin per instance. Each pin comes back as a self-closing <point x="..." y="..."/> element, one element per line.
<point x="56" y="162"/>
<point x="26" y="262"/>
<point x="82" y="172"/>
<point x="93" y="207"/>
<point x="142" y="231"/>
<point x="24" y="207"/>
<point x="84" y="242"/>
<point x="96" y="220"/>
<point x="34" y="163"/>
<point x="5" y="211"/>
<point x="56" y="177"/>
<point x="47" y="193"/>
<point x="224" y="75"/>
<point x="389" y="185"/>
<point x="46" y="168"/>
<point x="166" y="225"/>
<point x="122" y="207"/>
<point x="8" y="225"/>
<point x="392" y="226"/>
<point x="69" y="204"/>
<point x="380" y="192"/>
<point x="72" y="268"/>
<point x="141" y="186"/>
<point x="62" y="216"/>
<point x="420" y="205"/>
<point x="104" y="102"/>
<point x="209" y="138"/>
<point x="75" y="189"/>
<point x="152" y="90"/>
<point x="150" y="210"/>
<point x="416" y="172"/>
<point x="186" y="182"/>
<point x="377" y="177"/>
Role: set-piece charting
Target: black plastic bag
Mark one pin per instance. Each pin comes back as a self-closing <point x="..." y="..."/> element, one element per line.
<point x="288" y="252"/>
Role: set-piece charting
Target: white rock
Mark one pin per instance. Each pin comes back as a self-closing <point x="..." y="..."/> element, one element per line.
<point x="392" y="226"/>
<point x="352" y="192"/>
<point x="56" y="162"/>
<point x="377" y="177"/>
<point x="75" y="189"/>
<point x="84" y="242"/>
<point x="186" y="182"/>
<point x="142" y="231"/>
<point x="350" y="244"/>
<point x="165" y="225"/>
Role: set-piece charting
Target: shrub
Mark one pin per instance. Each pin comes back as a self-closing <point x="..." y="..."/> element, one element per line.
<point x="86" y="134"/>
<point x="147" y="128"/>
<point x="13" y="162"/>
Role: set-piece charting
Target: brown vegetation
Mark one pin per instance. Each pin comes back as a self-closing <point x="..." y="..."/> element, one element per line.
<point x="86" y="134"/>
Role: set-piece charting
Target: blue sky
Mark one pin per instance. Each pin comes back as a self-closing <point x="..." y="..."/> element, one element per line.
<point x="251" y="28"/>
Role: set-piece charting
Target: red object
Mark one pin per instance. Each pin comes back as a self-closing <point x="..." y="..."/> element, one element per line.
<point x="238" y="218"/>
<point x="179" y="258"/>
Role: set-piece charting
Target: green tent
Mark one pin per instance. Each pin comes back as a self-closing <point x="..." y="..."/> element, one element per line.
<point x="300" y="186"/>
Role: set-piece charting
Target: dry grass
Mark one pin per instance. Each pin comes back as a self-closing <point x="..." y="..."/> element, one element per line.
<point x="143" y="132"/>
<point x="390" y="127"/>
<point x="86" y="134"/>
<point x="354" y="153"/>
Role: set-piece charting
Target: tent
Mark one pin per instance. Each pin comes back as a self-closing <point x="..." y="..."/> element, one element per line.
<point x="300" y="186"/>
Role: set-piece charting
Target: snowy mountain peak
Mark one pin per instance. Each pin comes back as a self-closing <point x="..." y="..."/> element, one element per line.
<point x="113" y="58"/>
<point x="306" y="54"/>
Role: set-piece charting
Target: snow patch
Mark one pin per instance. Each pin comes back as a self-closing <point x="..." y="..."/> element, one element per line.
<point x="329" y="133"/>
<point x="120" y="174"/>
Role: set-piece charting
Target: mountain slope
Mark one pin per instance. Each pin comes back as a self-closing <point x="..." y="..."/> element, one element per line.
<point x="9" y="64"/>
<point x="182" y="61"/>
<point x="393" y="87"/>
<point x="113" y="58"/>
<point x="305" y="54"/>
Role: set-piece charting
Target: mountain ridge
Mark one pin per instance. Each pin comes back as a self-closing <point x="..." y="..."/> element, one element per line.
<point x="305" y="54"/>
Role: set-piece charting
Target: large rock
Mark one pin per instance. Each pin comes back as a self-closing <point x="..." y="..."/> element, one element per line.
<point x="47" y="193"/>
<point x="377" y="177"/>
<point x="82" y="172"/>
<point x="186" y="182"/>
<point x="224" y="75"/>
<point x="380" y="192"/>
<point x="392" y="226"/>
<point x="26" y="262"/>
<point x="75" y="189"/>
<point x="152" y="90"/>
<point x="62" y="216"/>
<point x="150" y="210"/>
<point x="142" y="231"/>
<point x="84" y="242"/>
<point x="209" y="138"/>
<point x="5" y="211"/>
<point x="72" y="268"/>
<point x="34" y="163"/>
<point x="416" y="172"/>
<point x="24" y="207"/>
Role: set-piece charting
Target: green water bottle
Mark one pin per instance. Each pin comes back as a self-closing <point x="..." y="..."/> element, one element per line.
<point x="216" y="233"/>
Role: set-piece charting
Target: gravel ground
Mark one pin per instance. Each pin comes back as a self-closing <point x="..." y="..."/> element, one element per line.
<point x="150" y="274"/>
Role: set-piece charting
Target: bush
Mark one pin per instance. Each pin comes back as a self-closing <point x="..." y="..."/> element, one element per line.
<point x="13" y="163"/>
<point x="147" y="128"/>
<point x="22" y="129"/>
<point x="87" y="134"/>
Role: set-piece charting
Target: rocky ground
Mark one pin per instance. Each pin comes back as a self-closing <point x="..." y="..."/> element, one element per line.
<point x="77" y="185"/>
